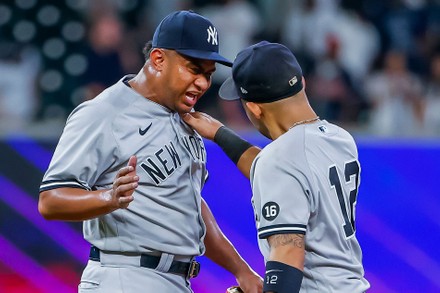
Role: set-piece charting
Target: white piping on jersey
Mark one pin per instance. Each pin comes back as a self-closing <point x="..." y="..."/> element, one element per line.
<point x="270" y="271"/>
<point x="63" y="183"/>
<point x="278" y="229"/>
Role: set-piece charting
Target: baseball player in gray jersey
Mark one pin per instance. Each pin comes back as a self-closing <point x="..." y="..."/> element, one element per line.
<point x="304" y="183"/>
<point x="131" y="169"/>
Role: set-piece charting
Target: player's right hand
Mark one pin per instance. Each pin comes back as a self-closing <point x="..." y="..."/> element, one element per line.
<point x="124" y="185"/>
<point x="204" y="124"/>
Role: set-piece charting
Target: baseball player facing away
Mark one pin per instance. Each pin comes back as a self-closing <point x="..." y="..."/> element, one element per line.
<point x="131" y="169"/>
<point x="304" y="183"/>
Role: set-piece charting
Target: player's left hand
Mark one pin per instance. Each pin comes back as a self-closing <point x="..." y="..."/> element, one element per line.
<point x="249" y="281"/>
<point x="126" y="181"/>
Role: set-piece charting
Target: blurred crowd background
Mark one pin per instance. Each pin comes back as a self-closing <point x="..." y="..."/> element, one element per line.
<point x="372" y="66"/>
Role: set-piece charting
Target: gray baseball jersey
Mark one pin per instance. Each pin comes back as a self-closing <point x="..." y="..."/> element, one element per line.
<point x="306" y="182"/>
<point x="100" y="136"/>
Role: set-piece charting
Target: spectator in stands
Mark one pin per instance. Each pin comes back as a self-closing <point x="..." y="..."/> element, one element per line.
<point x="103" y="54"/>
<point x="432" y="106"/>
<point x="19" y="66"/>
<point x="395" y="94"/>
<point x="334" y="97"/>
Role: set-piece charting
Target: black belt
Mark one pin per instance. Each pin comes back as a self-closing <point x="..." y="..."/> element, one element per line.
<point x="187" y="269"/>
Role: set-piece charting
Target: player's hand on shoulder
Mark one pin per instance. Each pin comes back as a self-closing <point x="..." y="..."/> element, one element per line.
<point x="204" y="124"/>
<point x="126" y="181"/>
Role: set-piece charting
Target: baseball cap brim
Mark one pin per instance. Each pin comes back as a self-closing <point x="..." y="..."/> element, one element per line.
<point x="228" y="90"/>
<point x="214" y="56"/>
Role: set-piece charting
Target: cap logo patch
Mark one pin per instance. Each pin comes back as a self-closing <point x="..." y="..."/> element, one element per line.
<point x="243" y="90"/>
<point x="293" y="81"/>
<point x="212" y="35"/>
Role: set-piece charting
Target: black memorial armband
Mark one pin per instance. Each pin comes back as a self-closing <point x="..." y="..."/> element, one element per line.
<point x="232" y="144"/>
<point x="282" y="278"/>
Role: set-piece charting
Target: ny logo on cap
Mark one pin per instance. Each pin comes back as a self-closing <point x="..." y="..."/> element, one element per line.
<point x="243" y="90"/>
<point x="212" y="33"/>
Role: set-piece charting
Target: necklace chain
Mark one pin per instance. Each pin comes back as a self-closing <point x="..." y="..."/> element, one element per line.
<point x="304" y="121"/>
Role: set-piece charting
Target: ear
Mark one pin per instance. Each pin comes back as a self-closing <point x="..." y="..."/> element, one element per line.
<point x="254" y="108"/>
<point x="304" y="82"/>
<point x="157" y="58"/>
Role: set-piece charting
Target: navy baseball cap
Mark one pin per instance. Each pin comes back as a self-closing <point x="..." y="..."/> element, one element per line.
<point x="263" y="73"/>
<point x="189" y="34"/>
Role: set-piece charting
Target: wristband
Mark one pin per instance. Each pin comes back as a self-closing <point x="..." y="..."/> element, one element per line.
<point x="282" y="278"/>
<point x="231" y="144"/>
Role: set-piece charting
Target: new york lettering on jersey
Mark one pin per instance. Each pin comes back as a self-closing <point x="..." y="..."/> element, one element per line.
<point x="166" y="160"/>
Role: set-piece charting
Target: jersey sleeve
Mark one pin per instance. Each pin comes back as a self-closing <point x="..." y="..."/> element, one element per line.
<point x="284" y="205"/>
<point x="86" y="148"/>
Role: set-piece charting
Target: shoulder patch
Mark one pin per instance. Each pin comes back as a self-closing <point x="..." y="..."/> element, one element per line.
<point x="270" y="210"/>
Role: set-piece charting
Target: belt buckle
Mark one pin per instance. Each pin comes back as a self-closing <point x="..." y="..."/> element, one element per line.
<point x="194" y="269"/>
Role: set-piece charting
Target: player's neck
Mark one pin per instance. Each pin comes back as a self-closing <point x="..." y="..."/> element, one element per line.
<point x="140" y="84"/>
<point x="289" y="116"/>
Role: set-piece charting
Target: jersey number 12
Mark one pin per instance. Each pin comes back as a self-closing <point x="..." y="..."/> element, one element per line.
<point x="348" y="212"/>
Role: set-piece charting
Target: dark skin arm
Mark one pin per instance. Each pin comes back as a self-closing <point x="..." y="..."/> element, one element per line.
<point x="246" y="159"/>
<point x="220" y="250"/>
<point x="76" y="204"/>
<point x="208" y="126"/>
